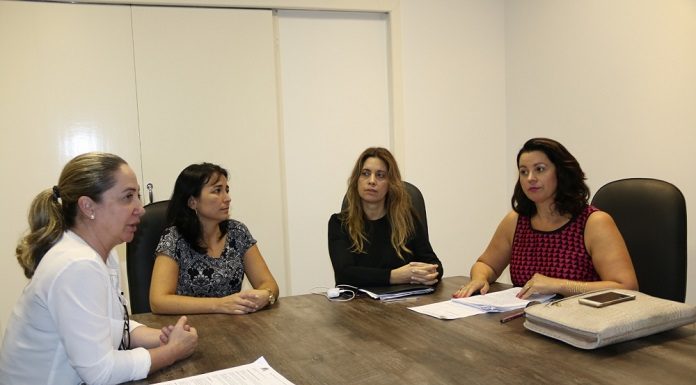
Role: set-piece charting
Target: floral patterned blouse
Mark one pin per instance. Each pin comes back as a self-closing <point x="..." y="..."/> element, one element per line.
<point x="201" y="275"/>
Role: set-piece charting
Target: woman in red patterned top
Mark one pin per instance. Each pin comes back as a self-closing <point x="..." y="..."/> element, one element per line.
<point x="553" y="240"/>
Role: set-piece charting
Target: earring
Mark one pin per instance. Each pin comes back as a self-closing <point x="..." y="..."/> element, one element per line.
<point x="91" y="217"/>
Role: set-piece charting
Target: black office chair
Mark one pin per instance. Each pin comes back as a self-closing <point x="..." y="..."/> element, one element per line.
<point x="417" y="202"/>
<point x="651" y="216"/>
<point x="140" y="255"/>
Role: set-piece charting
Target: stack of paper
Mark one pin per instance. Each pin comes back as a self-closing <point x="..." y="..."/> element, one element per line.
<point x="501" y="301"/>
<point x="498" y="301"/>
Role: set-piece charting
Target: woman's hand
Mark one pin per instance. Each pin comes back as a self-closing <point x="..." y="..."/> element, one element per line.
<point x="246" y="301"/>
<point x="167" y="330"/>
<point x="176" y="342"/>
<point x="181" y="337"/>
<point x="540" y="284"/>
<point x="164" y="336"/>
<point x="415" y="273"/>
<point x="474" y="286"/>
<point x="259" y="297"/>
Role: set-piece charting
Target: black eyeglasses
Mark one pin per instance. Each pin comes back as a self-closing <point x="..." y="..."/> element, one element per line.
<point x="125" y="337"/>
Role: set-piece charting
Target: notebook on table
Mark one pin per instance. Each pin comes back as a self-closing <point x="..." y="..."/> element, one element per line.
<point x="396" y="291"/>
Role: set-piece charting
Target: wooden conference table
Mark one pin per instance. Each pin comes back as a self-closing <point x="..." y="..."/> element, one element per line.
<point x="310" y="340"/>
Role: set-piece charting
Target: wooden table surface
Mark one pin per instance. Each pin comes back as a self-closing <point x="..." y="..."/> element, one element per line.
<point x="311" y="340"/>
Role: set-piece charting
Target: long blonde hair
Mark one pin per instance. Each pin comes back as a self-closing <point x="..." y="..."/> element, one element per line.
<point x="397" y="202"/>
<point x="54" y="210"/>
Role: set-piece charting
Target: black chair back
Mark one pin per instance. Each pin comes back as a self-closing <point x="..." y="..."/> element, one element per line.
<point x="417" y="202"/>
<point x="140" y="255"/>
<point x="651" y="216"/>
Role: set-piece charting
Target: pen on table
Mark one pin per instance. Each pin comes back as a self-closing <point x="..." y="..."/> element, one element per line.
<point x="512" y="317"/>
<point x="518" y="314"/>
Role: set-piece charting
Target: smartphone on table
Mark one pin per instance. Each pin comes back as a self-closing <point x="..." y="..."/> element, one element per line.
<point x="606" y="299"/>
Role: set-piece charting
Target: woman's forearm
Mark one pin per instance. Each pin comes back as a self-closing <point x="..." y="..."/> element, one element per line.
<point x="483" y="272"/>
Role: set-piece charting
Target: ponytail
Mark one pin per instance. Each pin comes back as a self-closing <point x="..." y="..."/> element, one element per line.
<point x="54" y="211"/>
<point x="46" y="226"/>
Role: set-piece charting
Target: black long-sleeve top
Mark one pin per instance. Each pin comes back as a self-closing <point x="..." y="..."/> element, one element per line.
<point x="373" y="268"/>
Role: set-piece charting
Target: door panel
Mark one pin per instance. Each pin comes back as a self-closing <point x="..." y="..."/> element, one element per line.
<point x="207" y="93"/>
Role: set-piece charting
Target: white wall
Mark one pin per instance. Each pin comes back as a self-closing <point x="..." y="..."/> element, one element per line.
<point x="615" y="81"/>
<point x="454" y="121"/>
<point x="335" y="103"/>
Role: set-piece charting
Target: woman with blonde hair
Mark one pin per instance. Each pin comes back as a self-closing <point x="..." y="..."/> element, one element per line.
<point x="377" y="240"/>
<point x="71" y="325"/>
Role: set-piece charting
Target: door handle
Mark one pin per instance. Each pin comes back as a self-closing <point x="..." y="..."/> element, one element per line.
<point x="149" y="191"/>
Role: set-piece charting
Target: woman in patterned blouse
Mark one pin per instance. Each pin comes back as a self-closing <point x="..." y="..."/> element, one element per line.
<point x="553" y="240"/>
<point x="203" y="255"/>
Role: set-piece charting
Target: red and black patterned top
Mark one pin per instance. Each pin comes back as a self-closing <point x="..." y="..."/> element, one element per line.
<point x="559" y="254"/>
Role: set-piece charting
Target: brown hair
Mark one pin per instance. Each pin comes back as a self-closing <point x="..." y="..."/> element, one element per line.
<point x="397" y="202"/>
<point x="53" y="211"/>
<point x="572" y="194"/>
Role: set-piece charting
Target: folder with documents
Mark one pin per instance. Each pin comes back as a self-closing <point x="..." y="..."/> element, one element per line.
<point x="396" y="291"/>
<point x="499" y="301"/>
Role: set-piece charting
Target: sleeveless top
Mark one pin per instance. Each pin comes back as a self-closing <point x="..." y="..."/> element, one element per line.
<point x="560" y="253"/>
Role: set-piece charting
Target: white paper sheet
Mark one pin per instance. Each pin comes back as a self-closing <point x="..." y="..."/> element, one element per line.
<point x="257" y="373"/>
<point x="447" y="310"/>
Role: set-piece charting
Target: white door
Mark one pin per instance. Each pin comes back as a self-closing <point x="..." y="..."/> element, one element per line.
<point x="206" y="83"/>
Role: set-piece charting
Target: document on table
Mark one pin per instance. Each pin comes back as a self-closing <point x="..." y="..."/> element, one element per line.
<point x="256" y="373"/>
<point x="447" y="310"/>
<point x="499" y="301"/>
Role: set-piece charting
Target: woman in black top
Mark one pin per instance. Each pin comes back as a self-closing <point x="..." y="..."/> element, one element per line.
<point x="377" y="240"/>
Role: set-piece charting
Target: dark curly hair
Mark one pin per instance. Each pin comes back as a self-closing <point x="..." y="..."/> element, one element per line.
<point x="572" y="194"/>
<point x="189" y="184"/>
